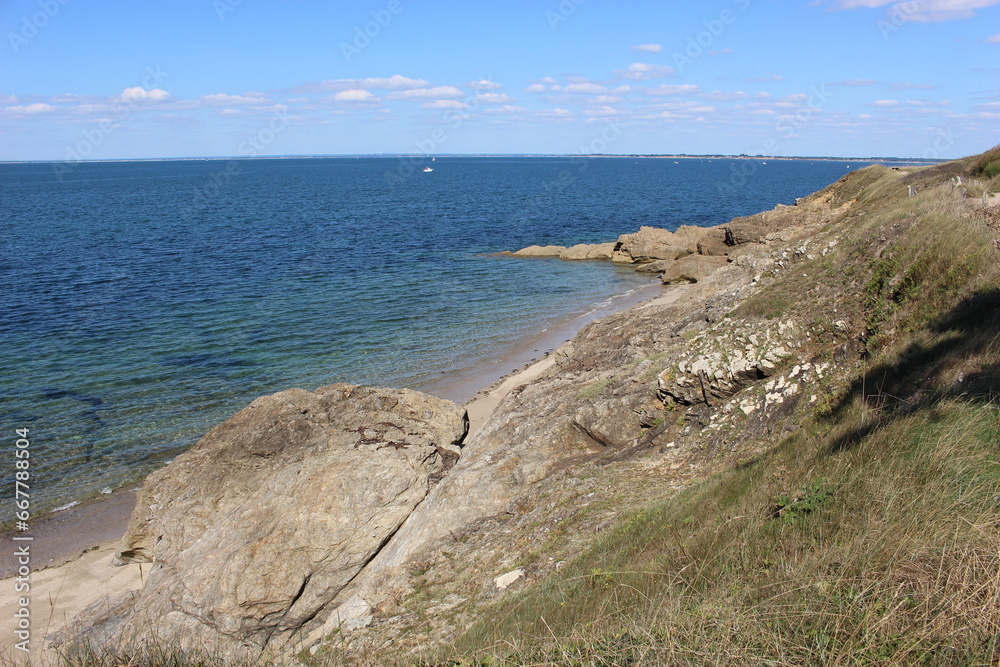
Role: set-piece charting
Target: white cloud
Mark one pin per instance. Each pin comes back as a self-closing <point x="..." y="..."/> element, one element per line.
<point x="928" y="103"/>
<point x="355" y="95"/>
<point x="721" y="52"/>
<point x="549" y="80"/>
<point x="602" y="111"/>
<point x="648" y="48"/>
<point x="394" y="82"/>
<point x="30" y="109"/>
<point x="922" y="11"/>
<point x="426" y="93"/>
<point x="993" y="39"/>
<point x="644" y="71"/>
<point x="584" y="88"/>
<point x="507" y="108"/>
<point x="763" y="79"/>
<point x="859" y="83"/>
<point x="885" y="104"/>
<point x="680" y="89"/>
<point x="555" y="113"/>
<point x="721" y="96"/>
<point x="230" y="112"/>
<point x="910" y="86"/>
<point x="484" y="84"/>
<point x="222" y="99"/>
<point x="139" y="94"/>
<point x="535" y="88"/>
<point x="444" y="104"/>
<point x="494" y="98"/>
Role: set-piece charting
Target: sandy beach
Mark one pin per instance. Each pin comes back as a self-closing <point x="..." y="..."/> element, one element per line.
<point x="72" y="551"/>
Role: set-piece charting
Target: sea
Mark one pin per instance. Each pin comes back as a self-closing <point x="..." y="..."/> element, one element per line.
<point x="146" y="301"/>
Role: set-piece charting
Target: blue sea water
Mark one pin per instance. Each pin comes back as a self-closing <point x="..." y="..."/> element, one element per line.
<point x="144" y="302"/>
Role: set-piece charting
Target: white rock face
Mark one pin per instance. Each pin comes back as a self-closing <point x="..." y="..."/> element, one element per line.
<point x="505" y="580"/>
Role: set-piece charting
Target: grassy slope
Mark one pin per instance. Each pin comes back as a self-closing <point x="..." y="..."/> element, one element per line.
<point x="870" y="535"/>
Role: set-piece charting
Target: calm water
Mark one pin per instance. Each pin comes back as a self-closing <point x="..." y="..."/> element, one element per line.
<point x="146" y="301"/>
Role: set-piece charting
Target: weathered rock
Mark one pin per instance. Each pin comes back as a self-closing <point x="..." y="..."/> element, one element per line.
<point x="691" y="269"/>
<point x="689" y="236"/>
<point x="263" y="522"/>
<point x="714" y="246"/>
<point x="657" y="267"/>
<point x="540" y="251"/>
<point x="652" y="244"/>
<point x="646" y="245"/>
<point x="583" y="251"/>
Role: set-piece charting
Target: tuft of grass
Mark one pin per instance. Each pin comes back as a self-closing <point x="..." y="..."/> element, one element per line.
<point x="594" y="390"/>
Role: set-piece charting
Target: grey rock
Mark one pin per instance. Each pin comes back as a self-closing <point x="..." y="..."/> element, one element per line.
<point x="260" y="525"/>
<point x="691" y="269"/>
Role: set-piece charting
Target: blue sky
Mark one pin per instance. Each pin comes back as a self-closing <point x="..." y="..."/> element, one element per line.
<point x="139" y="79"/>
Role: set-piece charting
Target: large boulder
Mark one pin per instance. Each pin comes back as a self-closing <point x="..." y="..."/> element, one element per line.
<point x="691" y="269"/>
<point x="540" y="251"/>
<point x="588" y="251"/>
<point x="259" y="526"/>
<point x="651" y="244"/>
<point x="648" y="245"/>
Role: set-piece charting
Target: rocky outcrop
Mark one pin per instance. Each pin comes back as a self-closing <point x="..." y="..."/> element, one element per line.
<point x="259" y="526"/>
<point x="580" y="251"/>
<point x="651" y="244"/>
<point x="691" y="269"/>
<point x="648" y="245"/>
<point x="588" y="251"/>
<point x="540" y="251"/>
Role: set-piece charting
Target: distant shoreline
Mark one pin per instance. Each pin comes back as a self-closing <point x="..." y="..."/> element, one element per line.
<point x="396" y="156"/>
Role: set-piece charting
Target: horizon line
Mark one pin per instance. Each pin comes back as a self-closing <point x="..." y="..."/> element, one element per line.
<point x="424" y="156"/>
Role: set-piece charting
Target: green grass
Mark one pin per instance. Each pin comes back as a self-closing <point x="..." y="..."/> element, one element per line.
<point x="871" y="536"/>
<point x="897" y="562"/>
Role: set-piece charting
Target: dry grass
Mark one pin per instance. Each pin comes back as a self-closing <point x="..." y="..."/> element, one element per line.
<point x="869" y="537"/>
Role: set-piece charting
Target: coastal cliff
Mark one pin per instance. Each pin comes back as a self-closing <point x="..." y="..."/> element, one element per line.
<point x="679" y="467"/>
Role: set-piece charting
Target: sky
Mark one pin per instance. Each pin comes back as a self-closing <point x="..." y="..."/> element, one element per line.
<point x="126" y="79"/>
